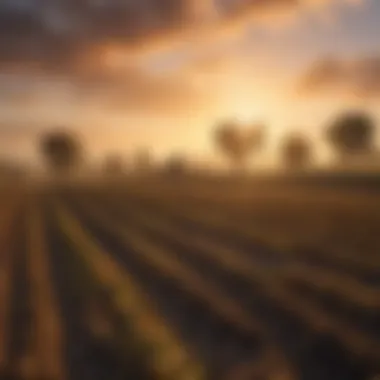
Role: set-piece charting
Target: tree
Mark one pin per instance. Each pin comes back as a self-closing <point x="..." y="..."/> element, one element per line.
<point x="296" y="152"/>
<point x="113" y="164"/>
<point x="238" y="144"/>
<point x="10" y="170"/>
<point x="61" y="150"/>
<point x="176" y="165"/>
<point x="143" y="160"/>
<point x="352" y="134"/>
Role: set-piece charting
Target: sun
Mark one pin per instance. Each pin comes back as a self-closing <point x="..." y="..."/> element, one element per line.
<point x="245" y="113"/>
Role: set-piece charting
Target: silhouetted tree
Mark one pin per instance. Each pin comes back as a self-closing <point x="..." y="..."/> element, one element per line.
<point x="238" y="144"/>
<point x="143" y="160"/>
<point x="296" y="152"/>
<point x="352" y="134"/>
<point x="176" y="166"/>
<point x="61" y="150"/>
<point x="12" y="171"/>
<point x="113" y="164"/>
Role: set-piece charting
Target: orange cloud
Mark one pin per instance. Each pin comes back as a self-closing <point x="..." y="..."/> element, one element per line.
<point x="95" y="46"/>
<point x="357" y="77"/>
<point x="138" y="92"/>
<point x="59" y="35"/>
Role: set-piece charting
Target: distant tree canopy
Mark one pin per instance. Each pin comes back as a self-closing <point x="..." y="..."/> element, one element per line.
<point x="113" y="164"/>
<point x="12" y="170"/>
<point x="352" y="134"/>
<point x="176" y="165"/>
<point x="61" y="150"/>
<point x="143" y="160"/>
<point x="238" y="144"/>
<point x="296" y="152"/>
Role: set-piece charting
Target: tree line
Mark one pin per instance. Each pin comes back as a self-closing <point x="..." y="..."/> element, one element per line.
<point x="351" y="135"/>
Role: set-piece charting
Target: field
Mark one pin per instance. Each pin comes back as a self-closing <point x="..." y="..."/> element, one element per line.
<point x="190" y="280"/>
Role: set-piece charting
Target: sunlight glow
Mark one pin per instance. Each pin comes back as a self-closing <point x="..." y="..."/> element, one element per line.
<point x="246" y="113"/>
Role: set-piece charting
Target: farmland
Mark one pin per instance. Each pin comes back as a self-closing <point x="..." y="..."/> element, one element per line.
<point x="175" y="280"/>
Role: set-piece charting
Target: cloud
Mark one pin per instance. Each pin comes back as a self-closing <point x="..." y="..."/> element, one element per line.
<point x="138" y="91"/>
<point x="60" y="35"/>
<point x="94" y="45"/>
<point x="135" y="92"/>
<point x="358" y="77"/>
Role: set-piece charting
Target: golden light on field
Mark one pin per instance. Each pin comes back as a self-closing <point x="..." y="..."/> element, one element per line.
<point x="195" y="186"/>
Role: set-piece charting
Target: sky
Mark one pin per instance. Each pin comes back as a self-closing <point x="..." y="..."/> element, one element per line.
<point x="126" y="74"/>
